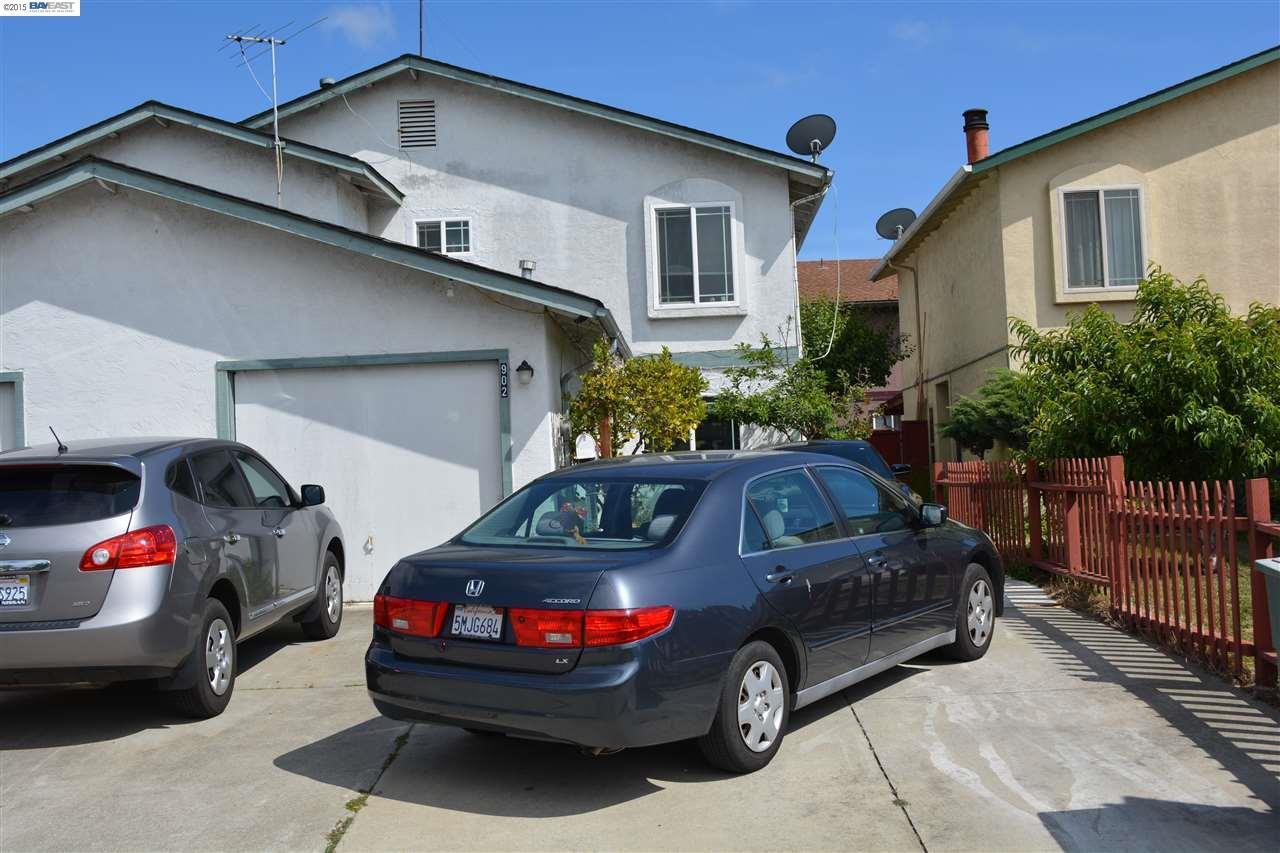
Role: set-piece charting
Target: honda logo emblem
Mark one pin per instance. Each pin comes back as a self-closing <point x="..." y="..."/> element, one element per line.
<point x="4" y="541"/>
<point x="475" y="587"/>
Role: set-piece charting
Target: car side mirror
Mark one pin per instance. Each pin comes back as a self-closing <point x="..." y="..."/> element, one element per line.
<point x="933" y="515"/>
<point x="900" y="470"/>
<point x="312" y="495"/>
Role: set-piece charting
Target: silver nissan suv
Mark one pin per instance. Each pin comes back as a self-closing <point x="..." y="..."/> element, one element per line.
<point x="151" y="558"/>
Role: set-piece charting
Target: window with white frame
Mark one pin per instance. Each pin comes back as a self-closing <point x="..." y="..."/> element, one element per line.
<point x="447" y="236"/>
<point x="1102" y="237"/>
<point x="694" y="254"/>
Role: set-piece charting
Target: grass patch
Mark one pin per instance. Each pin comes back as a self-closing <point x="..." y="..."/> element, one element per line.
<point x="358" y="802"/>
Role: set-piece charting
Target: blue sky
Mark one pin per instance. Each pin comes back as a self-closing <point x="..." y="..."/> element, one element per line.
<point x="896" y="76"/>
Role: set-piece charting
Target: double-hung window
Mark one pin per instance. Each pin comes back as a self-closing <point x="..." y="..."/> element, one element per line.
<point x="695" y="254"/>
<point x="447" y="236"/>
<point x="1102" y="237"/>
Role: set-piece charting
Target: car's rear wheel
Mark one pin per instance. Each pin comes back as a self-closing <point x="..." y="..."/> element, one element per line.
<point x="976" y="615"/>
<point x="753" y="714"/>
<point x="328" y="618"/>
<point x="215" y="663"/>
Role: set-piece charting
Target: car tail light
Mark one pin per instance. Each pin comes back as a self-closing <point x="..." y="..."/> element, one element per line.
<point x="409" y="616"/>
<point x="547" y="629"/>
<point x="615" y="627"/>
<point x="150" y="546"/>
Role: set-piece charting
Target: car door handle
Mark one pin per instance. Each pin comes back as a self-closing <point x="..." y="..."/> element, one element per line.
<point x="277" y="532"/>
<point x="780" y="575"/>
<point x="877" y="562"/>
<point x="231" y="538"/>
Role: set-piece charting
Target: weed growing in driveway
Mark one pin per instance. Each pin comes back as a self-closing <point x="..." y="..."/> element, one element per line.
<point x="355" y="804"/>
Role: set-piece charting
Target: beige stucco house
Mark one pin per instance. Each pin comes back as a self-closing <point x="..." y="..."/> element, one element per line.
<point x="1187" y="177"/>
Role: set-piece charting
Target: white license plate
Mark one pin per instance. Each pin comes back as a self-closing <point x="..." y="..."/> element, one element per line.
<point x="13" y="590"/>
<point x="481" y="623"/>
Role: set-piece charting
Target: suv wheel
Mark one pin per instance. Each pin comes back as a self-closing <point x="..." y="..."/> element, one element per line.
<point x="753" y="714"/>
<point x="328" y="606"/>
<point x="215" y="663"/>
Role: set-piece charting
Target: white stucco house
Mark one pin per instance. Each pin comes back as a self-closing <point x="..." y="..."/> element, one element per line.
<point x="436" y="228"/>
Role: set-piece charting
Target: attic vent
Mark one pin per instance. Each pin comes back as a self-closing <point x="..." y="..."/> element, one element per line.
<point x="417" y="124"/>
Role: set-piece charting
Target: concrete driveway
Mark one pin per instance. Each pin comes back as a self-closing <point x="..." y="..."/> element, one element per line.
<point x="1067" y="735"/>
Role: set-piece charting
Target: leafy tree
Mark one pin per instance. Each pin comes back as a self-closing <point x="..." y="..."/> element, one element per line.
<point x="864" y="350"/>
<point x="768" y="390"/>
<point x="1002" y="410"/>
<point x="651" y="399"/>
<point x="1185" y="390"/>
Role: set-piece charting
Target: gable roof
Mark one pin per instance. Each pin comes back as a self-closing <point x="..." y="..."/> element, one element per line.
<point x="105" y="172"/>
<point x="968" y="176"/>
<point x="804" y="177"/>
<point x="361" y="173"/>
<point x="818" y="281"/>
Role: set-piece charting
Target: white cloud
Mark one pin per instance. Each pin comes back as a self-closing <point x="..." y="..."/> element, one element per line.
<point x="363" y="24"/>
<point x="921" y="33"/>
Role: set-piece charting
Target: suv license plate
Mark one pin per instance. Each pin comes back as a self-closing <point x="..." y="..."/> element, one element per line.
<point x="13" y="590"/>
<point x="481" y="623"/>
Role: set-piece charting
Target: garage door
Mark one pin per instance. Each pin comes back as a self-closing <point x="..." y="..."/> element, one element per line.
<point x="408" y="454"/>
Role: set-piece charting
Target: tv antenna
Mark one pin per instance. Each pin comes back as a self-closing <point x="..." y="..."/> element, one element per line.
<point x="811" y="135"/>
<point x="891" y="225"/>
<point x="271" y="41"/>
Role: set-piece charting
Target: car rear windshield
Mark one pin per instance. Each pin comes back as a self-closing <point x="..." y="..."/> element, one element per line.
<point x="609" y="514"/>
<point x="44" y="495"/>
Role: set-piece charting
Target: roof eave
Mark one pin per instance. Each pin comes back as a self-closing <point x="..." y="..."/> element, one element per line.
<point x="90" y="168"/>
<point x="362" y="174"/>
<point x="419" y="64"/>
<point x="917" y="227"/>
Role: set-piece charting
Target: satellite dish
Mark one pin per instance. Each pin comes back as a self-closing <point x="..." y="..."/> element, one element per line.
<point x="892" y="224"/>
<point x="811" y="135"/>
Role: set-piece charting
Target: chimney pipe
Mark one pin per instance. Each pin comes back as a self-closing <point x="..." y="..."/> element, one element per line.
<point x="975" y="133"/>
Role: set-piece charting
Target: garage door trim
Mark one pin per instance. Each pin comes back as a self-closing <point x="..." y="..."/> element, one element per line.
<point x="225" y="385"/>
<point x="14" y="377"/>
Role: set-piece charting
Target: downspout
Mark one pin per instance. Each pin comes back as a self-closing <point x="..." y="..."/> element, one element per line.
<point x="915" y="280"/>
<point x="795" y="260"/>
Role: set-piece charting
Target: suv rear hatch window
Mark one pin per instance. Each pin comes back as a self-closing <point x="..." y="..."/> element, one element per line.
<point x="47" y="495"/>
<point x="50" y="516"/>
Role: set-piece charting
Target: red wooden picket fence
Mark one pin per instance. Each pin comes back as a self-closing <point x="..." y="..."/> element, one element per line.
<point x="1168" y="553"/>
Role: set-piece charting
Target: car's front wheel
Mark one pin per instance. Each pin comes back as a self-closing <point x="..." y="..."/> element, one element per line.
<point x="753" y="714"/>
<point x="976" y="615"/>
<point x="215" y="664"/>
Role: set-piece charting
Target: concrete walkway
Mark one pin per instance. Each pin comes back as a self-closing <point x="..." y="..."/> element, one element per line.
<point x="1068" y="735"/>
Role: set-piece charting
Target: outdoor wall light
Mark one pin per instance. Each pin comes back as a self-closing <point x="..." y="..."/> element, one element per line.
<point x="525" y="372"/>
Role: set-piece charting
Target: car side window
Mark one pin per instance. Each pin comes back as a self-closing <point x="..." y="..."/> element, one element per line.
<point x="269" y="491"/>
<point x="791" y="510"/>
<point x="178" y="479"/>
<point x="868" y="506"/>
<point x="220" y="482"/>
<point x="753" y="538"/>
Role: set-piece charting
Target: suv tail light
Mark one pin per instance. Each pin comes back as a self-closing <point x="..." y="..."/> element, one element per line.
<point x="150" y="546"/>
<point x="408" y="615"/>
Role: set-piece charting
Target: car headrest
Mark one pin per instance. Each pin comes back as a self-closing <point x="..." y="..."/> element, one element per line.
<point x="671" y="502"/>
<point x="558" y="523"/>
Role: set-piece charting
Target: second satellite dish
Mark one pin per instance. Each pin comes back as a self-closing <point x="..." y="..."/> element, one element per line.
<point x="892" y="224"/>
<point x="811" y="135"/>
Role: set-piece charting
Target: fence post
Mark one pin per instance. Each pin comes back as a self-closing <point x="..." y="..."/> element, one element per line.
<point x="1113" y="504"/>
<point x="938" y="473"/>
<point x="1033" y="512"/>
<point x="1258" y="509"/>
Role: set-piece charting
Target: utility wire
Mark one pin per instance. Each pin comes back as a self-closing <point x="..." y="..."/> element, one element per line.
<point x="835" y="235"/>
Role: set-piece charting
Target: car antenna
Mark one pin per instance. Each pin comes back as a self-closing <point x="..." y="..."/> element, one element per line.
<point x="62" y="448"/>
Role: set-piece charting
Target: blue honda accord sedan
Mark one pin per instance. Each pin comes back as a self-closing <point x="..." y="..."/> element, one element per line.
<point x="656" y="598"/>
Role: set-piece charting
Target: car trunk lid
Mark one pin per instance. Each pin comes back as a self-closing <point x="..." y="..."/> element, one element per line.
<point x="50" y="515"/>
<point x="481" y="586"/>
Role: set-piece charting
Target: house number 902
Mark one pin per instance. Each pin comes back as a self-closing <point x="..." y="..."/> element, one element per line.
<point x="503" y="380"/>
